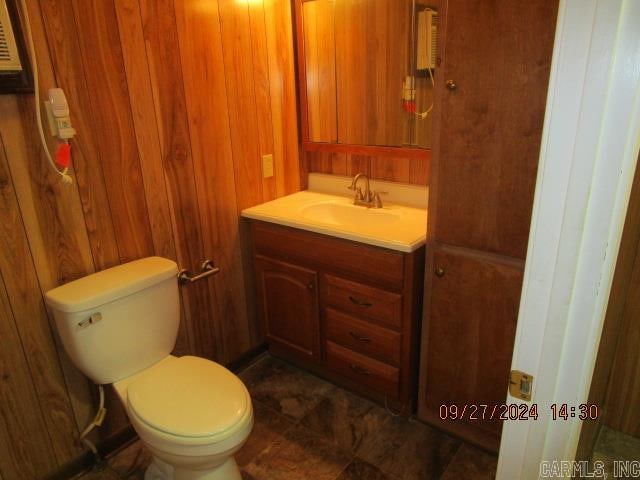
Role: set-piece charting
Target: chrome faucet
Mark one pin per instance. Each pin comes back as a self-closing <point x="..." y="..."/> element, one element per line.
<point x="368" y="198"/>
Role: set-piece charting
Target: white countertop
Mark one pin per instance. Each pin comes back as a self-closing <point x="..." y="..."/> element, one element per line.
<point x="394" y="226"/>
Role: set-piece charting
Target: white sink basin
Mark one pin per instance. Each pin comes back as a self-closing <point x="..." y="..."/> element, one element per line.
<point x="394" y="226"/>
<point x="334" y="213"/>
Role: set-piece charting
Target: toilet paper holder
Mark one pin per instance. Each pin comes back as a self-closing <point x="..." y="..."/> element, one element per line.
<point x="206" y="270"/>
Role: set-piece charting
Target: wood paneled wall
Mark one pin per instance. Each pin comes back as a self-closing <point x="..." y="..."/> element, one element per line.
<point x="174" y="102"/>
<point x="394" y="169"/>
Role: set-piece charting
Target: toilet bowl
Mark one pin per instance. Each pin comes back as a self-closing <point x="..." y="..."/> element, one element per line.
<point x="118" y="327"/>
<point x="192" y="414"/>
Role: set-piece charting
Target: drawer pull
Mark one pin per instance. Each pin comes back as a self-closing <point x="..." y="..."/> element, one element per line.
<point x="358" y="301"/>
<point x="360" y="338"/>
<point x="359" y="370"/>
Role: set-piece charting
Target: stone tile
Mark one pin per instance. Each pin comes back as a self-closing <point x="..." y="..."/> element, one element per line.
<point x="132" y="461"/>
<point x="129" y="463"/>
<point x="409" y="450"/>
<point x="471" y="463"/>
<point x="361" y="470"/>
<point x="285" y="388"/>
<point x="268" y="428"/>
<point x="301" y="454"/>
<point x="346" y="419"/>
<point x="617" y="445"/>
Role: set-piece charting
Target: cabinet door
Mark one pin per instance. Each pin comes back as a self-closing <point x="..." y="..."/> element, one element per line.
<point x="496" y="63"/>
<point x="468" y="339"/>
<point x="289" y="304"/>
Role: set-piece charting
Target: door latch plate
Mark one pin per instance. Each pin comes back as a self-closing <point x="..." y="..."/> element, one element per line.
<point x="520" y="385"/>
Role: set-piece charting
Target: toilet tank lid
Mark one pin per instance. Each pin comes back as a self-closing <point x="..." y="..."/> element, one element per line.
<point x="110" y="284"/>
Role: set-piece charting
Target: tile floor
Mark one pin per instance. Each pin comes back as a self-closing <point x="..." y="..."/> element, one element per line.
<point x="612" y="445"/>
<point x="307" y="428"/>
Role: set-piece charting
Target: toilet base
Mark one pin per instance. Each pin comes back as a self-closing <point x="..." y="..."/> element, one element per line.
<point x="159" y="470"/>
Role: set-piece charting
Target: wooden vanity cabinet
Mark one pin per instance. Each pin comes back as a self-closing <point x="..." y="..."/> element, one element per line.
<point x="346" y="310"/>
<point x="490" y="94"/>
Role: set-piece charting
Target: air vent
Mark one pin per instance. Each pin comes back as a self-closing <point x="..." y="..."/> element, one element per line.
<point x="9" y="59"/>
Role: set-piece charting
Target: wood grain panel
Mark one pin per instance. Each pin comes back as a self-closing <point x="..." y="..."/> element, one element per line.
<point x="206" y="95"/>
<point x="284" y="101"/>
<point x="33" y="328"/>
<point x="144" y="122"/>
<point x="372" y="42"/>
<point x="67" y="60"/>
<point x="397" y="169"/>
<point x="51" y="212"/>
<point x="97" y="27"/>
<point x="146" y="131"/>
<point x="262" y="88"/>
<point x="492" y="123"/>
<point x="22" y="455"/>
<point x="161" y="40"/>
<point x="320" y="70"/>
<point x="238" y="67"/>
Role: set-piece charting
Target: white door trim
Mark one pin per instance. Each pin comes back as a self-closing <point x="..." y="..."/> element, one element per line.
<point x="587" y="160"/>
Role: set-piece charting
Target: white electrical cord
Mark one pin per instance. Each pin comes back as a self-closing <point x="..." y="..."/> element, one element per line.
<point x="96" y="422"/>
<point x="66" y="178"/>
<point x="424" y="114"/>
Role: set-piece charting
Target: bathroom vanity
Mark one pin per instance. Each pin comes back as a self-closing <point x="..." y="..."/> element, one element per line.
<point x="347" y="309"/>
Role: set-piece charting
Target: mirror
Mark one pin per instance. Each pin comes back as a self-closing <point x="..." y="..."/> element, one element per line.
<point x="361" y="57"/>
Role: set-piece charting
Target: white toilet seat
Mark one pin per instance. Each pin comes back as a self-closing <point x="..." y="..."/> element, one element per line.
<point x="188" y="406"/>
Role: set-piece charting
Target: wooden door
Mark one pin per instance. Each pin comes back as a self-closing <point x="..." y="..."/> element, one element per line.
<point x="493" y="87"/>
<point x="288" y="297"/>
<point x="469" y="338"/>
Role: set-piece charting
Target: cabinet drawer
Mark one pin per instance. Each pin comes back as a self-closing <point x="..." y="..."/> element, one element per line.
<point x="363" y="300"/>
<point x="382" y="266"/>
<point x="366" y="371"/>
<point x="363" y="336"/>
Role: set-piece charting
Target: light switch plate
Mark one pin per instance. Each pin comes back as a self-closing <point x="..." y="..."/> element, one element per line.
<point x="267" y="165"/>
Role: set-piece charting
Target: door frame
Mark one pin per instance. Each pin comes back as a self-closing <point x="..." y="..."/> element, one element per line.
<point x="588" y="154"/>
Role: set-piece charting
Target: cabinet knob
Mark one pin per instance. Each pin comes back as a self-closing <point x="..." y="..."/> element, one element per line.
<point x="311" y="286"/>
<point x="451" y="85"/>
<point x="440" y="272"/>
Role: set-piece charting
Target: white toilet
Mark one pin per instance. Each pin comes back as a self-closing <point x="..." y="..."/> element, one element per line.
<point x="119" y="326"/>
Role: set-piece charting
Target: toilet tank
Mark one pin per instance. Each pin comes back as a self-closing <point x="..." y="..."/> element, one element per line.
<point x="119" y="321"/>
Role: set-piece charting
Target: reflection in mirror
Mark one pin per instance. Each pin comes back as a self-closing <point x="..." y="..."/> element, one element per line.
<point x="368" y="80"/>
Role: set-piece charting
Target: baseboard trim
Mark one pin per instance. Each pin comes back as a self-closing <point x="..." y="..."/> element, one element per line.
<point x="86" y="461"/>
<point x="120" y="439"/>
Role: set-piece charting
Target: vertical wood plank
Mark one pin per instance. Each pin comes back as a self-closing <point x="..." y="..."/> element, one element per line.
<point x="284" y="103"/>
<point x="52" y="213"/>
<point x="320" y="69"/>
<point x="22" y="455"/>
<point x="97" y="28"/>
<point x="262" y="87"/>
<point x="202" y="57"/>
<point x="238" y="68"/>
<point x="161" y="41"/>
<point x="392" y="169"/>
<point x="32" y="322"/>
<point x="146" y="132"/>
<point x="62" y="39"/>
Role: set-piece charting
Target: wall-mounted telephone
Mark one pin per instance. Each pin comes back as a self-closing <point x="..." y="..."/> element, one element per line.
<point x="426" y="39"/>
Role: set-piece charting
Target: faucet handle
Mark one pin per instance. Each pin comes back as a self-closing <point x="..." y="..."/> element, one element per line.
<point x="377" y="201"/>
